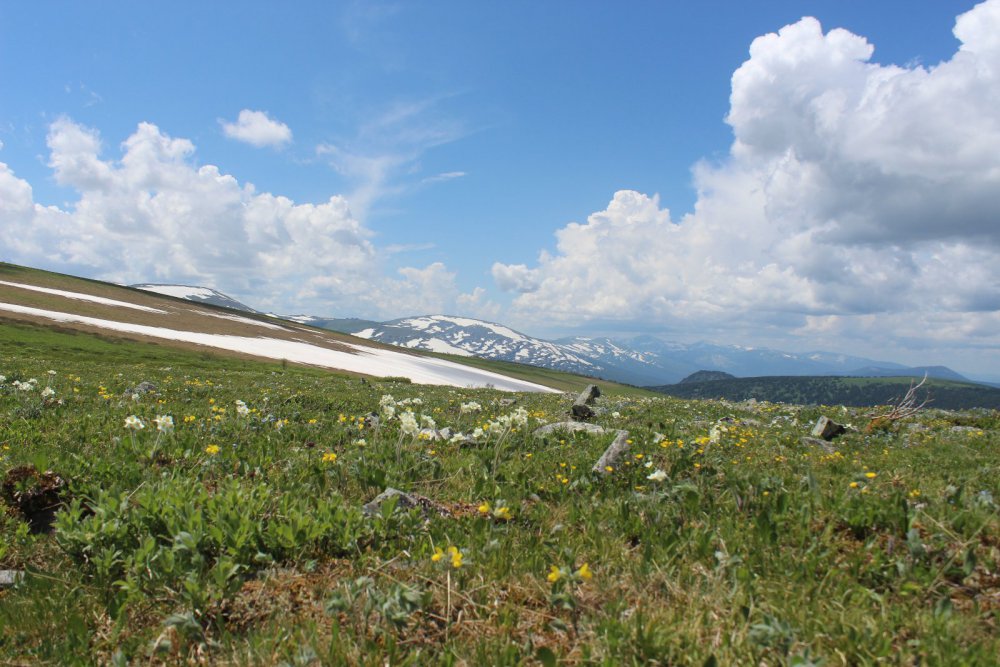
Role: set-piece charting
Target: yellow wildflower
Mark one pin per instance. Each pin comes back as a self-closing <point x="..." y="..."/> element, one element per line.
<point x="585" y="573"/>
<point x="438" y="554"/>
<point x="484" y="508"/>
<point x="554" y="574"/>
<point x="212" y="449"/>
<point x="329" y="457"/>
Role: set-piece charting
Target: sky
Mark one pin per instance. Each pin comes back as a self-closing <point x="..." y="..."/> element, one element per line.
<point x="802" y="175"/>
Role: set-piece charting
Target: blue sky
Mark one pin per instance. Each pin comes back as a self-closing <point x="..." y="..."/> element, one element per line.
<point x="404" y="158"/>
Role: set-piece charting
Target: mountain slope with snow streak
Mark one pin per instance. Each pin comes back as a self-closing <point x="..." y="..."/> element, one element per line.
<point x="196" y="294"/>
<point x="40" y="303"/>
<point x="477" y="338"/>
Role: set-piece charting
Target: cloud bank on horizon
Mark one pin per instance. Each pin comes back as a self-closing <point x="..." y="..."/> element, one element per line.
<point x="858" y="200"/>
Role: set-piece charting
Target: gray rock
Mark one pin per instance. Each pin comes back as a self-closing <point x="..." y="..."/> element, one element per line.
<point x="9" y="578"/>
<point x="827" y="429"/>
<point x="581" y="409"/>
<point x="569" y="427"/>
<point x="817" y="442"/>
<point x="613" y="454"/>
<point x="140" y="389"/>
<point x="405" y="501"/>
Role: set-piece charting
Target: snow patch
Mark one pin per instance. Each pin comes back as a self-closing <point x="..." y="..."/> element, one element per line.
<point x="85" y="297"/>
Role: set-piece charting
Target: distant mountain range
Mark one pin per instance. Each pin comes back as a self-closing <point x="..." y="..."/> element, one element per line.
<point x="641" y="360"/>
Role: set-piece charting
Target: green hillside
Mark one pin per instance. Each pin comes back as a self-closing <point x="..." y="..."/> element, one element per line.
<point x="828" y="390"/>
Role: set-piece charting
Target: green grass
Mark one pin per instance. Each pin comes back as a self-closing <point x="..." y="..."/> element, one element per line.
<point x="231" y="540"/>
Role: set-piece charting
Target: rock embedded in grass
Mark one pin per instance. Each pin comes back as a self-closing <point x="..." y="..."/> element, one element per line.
<point x="9" y="578"/>
<point x="405" y="501"/>
<point x="613" y="454"/>
<point x="827" y="429"/>
<point x="569" y="427"/>
<point x="581" y="409"/>
<point x="818" y="442"/>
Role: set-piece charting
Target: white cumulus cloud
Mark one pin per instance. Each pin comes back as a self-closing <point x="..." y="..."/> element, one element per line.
<point x="858" y="199"/>
<point x="155" y="215"/>
<point x="257" y="129"/>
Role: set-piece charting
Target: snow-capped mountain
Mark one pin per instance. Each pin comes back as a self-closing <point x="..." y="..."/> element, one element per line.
<point x="476" y="338"/>
<point x="197" y="294"/>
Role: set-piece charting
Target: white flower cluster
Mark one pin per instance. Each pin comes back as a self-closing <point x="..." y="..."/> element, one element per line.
<point x="408" y="423"/>
<point x="516" y="419"/>
<point x="408" y="420"/>
<point x="48" y="392"/>
<point x="387" y="407"/>
<point x="241" y="408"/>
<point x="471" y="406"/>
<point x="502" y="425"/>
<point x="30" y="385"/>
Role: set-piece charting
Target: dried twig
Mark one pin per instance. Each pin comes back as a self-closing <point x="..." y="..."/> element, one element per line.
<point x="906" y="407"/>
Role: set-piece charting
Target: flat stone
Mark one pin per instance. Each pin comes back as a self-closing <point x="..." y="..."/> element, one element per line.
<point x="569" y="427"/>
<point x="405" y="501"/>
<point x="818" y="442"/>
<point x="10" y="578"/>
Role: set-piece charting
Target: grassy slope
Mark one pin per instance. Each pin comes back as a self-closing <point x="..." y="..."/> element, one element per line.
<point x="754" y="549"/>
<point x="187" y="317"/>
<point x="824" y="390"/>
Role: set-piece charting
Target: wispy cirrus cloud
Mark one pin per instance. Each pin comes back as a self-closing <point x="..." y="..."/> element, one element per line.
<point x="382" y="158"/>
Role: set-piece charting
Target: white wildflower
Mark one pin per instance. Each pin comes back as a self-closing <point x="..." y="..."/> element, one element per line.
<point x="134" y="423"/>
<point x="427" y="422"/>
<point x="471" y="406"/>
<point x="657" y="475"/>
<point x="164" y="423"/>
<point x="48" y="392"/>
<point x="241" y="409"/>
